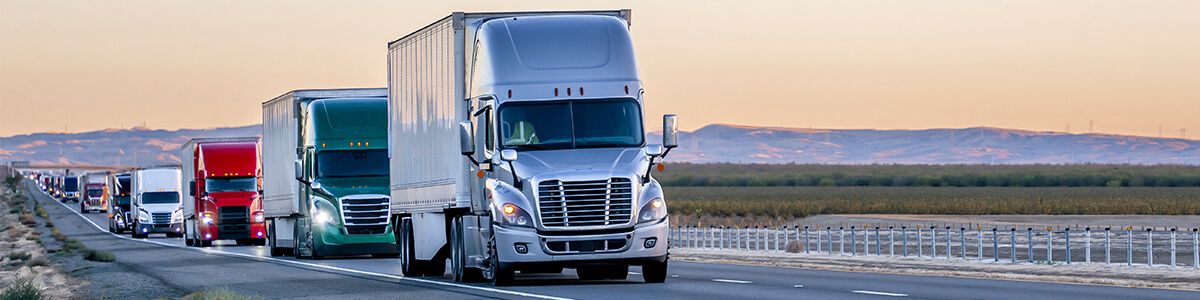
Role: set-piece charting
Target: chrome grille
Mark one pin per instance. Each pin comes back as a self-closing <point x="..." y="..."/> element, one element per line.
<point x="365" y="214"/>
<point x="585" y="203"/>
<point x="161" y="218"/>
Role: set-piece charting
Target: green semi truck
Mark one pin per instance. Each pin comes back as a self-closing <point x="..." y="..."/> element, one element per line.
<point x="325" y="174"/>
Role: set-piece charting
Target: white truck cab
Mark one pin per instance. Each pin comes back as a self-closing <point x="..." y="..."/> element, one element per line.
<point x="156" y="202"/>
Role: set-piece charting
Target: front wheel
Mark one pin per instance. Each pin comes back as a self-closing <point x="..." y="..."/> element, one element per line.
<point x="501" y="274"/>
<point x="655" y="272"/>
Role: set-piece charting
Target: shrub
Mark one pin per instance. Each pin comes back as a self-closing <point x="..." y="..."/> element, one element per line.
<point x="37" y="262"/>
<point x="100" y="256"/>
<point x="73" y="245"/>
<point x="19" y="255"/>
<point x="41" y="212"/>
<point x="21" y="289"/>
<point x="218" y="294"/>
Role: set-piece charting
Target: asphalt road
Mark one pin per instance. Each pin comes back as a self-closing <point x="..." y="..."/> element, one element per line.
<point x="249" y="269"/>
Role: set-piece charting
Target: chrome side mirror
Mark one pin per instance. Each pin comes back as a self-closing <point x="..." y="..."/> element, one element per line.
<point x="654" y="150"/>
<point x="466" y="140"/>
<point x="670" y="126"/>
<point x="299" y="168"/>
<point x="508" y="155"/>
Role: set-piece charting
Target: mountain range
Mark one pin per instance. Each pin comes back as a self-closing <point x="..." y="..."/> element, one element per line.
<point x="711" y="144"/>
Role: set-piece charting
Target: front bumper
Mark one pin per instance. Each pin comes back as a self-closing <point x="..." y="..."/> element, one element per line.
<point x="550" y="248"/>
<point x="333" y="240"/>
<point x="160" y="228"/>
<point x="217" y="231"/>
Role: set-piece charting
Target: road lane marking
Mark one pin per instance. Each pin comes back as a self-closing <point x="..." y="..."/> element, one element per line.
<point x="732" y="281"/>
<point x="797" y="285"/>
<point x="880" y="293"/>
<point x="634" y="273"/>
<point x="674" y="276"/>
<point x="311" y="265"/>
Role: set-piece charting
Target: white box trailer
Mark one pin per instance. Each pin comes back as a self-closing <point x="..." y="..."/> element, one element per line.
<point x="465" y="197"/>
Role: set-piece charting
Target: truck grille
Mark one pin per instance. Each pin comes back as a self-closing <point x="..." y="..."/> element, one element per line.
<point x="585" y="203"/>
<point x="161" y="218"/>
<point x="365" y="214"/>
<point x="590" y="246"/>
<point x="230" y="215"/>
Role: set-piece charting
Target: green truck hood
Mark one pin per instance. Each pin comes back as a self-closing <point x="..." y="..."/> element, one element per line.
<point x="341" y="187"/>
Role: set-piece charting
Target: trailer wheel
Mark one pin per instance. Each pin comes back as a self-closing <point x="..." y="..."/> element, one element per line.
<point x="409" y="264"/>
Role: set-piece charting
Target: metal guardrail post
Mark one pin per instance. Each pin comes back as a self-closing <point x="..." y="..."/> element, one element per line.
<point x="1087" y="245"/>
<point x="1068" y="243"/>
<point x="829" y="233"/>
<point x="962" y="242"/>
<point x="920" y="248"/>
<point x="995" y="245"/>
<point x="904" y="240"/>
<point x="1049" y="245"/>
<point x="853" y="242"/>
<point x="891" y="241"/>
<point x="1129" y="230"/>
<point x="1150" y="246"/>
<point x="979" y="240"/>
<point x="842" y="241"/>
<point x="1196" y="248"/>
<point x="932" y="242"/>
<point x="1172" y="248"/>
<point x="1029" y="240"/>
<point x="1012" y="244"/>
<point x="948" y="248"/>
<point x="806" y="244"/>
<point x="879" y="246"/>
<point x="1107" y="246"/>
<point x="786" y="238"/>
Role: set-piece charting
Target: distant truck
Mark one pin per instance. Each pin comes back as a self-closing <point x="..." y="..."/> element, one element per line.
<point x="325" y="173"/>
<point x="118" y="211"/>
<point x="70" y="188"/>
<point x="95" y="192"/>
<point x="46" y="181"/>
<point x="470" y="92"/>
<point x="156" y="204"/>
<point x="223" y="203"/>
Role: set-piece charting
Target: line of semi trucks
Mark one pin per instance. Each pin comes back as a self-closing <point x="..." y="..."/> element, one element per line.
<point x="504" y="144"/>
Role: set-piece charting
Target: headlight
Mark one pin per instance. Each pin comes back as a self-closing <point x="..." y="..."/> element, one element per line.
<point x="653" y="211"/>
<point x="258" y="217"/>
<point x="177" y="216"/>
<point x="510" y="214"/>
<point x="322" y="217"/>
<point x="144" y="217"/>
<point x="207" y="218"/>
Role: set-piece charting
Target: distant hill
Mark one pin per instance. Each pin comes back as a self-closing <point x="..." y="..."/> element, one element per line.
<point x="713" y="143"/>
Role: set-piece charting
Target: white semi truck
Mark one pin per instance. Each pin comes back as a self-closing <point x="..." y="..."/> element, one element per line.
<point x="517" y="145"/>
<point x="156" y="203"/>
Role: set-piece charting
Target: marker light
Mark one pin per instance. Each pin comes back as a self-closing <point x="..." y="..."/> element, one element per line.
<point x="207" y="218"/>
<point x="556" y="92"/>
<point x="581" y="91"/>
<point x="509" y="209"/>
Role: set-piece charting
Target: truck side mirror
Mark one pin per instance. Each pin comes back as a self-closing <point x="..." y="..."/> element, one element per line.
<point x="466" y="141"/>
<point x="508" y="155"/>
<point x="670" y="123"/>
<point x="299" y="168"/>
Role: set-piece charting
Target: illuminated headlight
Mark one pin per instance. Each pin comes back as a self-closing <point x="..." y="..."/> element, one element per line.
<point x="322" y="217"/>
<point x="177" y="216"/>
<point x="258" y="217"/>
<point x="513" y="215"/>
<point x="653" y="211"/>
<point x="207" y="218"/>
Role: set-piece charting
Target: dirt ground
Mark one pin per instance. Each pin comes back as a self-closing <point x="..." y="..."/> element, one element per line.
<point x="22" y="255"/>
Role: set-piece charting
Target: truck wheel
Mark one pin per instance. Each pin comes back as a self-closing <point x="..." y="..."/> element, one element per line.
<point x="458" y="261"/>
<point x="135" y="233"/>
<point x="275" y="250"/>
<point x="409" y="264"/>
<point x="501" y="274"/>
<point x="655" y="272"/>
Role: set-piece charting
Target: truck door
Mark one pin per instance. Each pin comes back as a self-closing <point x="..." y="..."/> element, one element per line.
<point x="484" y="148"/>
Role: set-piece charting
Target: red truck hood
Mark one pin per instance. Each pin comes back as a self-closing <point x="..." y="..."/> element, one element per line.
<point x="234" y="198"/>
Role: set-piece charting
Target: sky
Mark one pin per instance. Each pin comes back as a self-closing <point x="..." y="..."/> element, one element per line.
<point x="1126" y="67"/>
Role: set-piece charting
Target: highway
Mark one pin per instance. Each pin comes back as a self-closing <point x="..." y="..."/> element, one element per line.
<point x="373" y="278"/>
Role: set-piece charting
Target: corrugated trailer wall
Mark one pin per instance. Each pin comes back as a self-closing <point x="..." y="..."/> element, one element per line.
<point x="186" y="157"/>
<point x="279" y="151"/>
<point x="424" y="108"/>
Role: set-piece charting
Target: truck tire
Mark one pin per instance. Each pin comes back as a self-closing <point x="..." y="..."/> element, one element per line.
<point x="501" y="274"/>
<point x="458" y="257"/>
<point x="409" y="264"/>
<point x="655" y="272"/>
<point x="134" y="233"/>
<point x="271" y="243"/>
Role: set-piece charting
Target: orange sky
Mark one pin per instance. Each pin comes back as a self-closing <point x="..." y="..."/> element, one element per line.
<point x="1129" y="66"/>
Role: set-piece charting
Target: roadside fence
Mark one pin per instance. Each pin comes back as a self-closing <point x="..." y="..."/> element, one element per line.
<point x="1171" y="247"/>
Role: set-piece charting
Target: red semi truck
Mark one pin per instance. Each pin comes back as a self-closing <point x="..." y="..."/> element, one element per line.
<point x="222" y="176"/>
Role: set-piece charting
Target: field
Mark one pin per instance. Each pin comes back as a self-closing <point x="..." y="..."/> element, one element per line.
<point x="789" y="203"/>
<point x="1090" y="175"/>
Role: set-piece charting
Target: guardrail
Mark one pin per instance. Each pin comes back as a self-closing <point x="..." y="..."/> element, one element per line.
<point x="1158" y="247"/>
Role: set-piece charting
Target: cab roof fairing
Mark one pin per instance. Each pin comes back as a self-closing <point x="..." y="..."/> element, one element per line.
<point x="534" y="55"/>
<point x="228" y="159"/>
<point x="326" y="133"/>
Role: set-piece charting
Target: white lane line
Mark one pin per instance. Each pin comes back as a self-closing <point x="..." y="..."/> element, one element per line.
<point x="797" y="285"/>
<point x="674" y="276"/>
<point x="312" y="265"/>
<point x="732" y="281"/>
<point x="880" y="293"/>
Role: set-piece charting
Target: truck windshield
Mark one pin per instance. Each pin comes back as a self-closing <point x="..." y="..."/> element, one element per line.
<point x="352" y="163"/>
<point x="71" y="184"/>
<point x="94" y="192"/>
<point x="571" y="124"/>
<point x="230" y="184"/>
<point x="123" y="186"/>
<point x="160" y="197"/>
